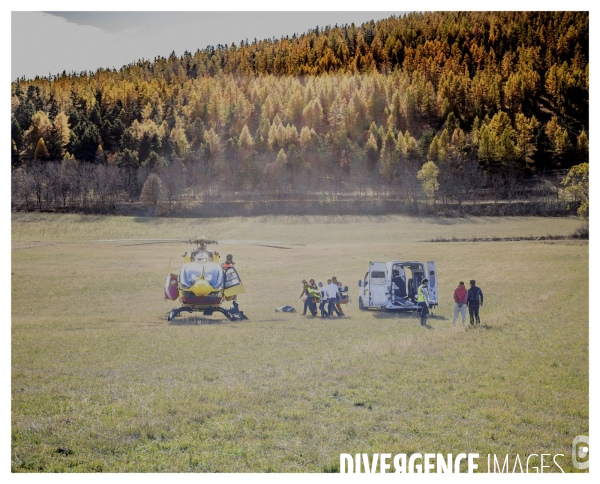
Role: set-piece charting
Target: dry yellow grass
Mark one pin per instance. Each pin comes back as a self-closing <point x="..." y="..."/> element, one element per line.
<point x="96" y="368"/>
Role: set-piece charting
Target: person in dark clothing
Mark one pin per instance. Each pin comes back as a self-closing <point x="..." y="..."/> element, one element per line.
<point x="400" y="284"/>
<point x="228" y="262"/>
<point x="474" y="301"/>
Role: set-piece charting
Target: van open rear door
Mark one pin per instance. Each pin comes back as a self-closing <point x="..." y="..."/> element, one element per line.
<point x="433" y="283"/>
<point x="377" y="282"/>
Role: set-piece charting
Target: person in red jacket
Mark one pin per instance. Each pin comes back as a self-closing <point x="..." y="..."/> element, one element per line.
<point x="460" y="300"/>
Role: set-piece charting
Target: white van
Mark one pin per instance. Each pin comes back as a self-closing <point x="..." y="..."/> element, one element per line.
<point x="393" y="285"/>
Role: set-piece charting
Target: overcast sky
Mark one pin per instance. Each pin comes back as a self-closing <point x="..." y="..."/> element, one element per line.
<point x="78" y="41"/>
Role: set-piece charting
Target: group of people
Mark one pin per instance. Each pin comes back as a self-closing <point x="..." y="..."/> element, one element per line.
<point x="330" y="295"/>
<point x="463" y="299"/>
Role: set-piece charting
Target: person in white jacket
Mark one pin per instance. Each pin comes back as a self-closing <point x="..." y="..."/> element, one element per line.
<point x="332" y="290"/>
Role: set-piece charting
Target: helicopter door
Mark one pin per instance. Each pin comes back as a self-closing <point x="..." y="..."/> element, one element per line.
<point x="233" y="283"/>
<point x="433" y="283"/>
<point x="171" y="290"/>
<point x="377" y="281"/>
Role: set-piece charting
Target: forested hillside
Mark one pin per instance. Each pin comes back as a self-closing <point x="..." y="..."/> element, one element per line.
<point x="479" y="98"/>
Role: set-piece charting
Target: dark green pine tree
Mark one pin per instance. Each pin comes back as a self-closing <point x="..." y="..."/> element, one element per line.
<point x="52" y="107"/>
<point x="155" y="143"/>
<point x="145" y="147"/>
<point x="96" y="116"/>
<point x="24" y="112"/>
<point x="105" y="134"/>
<point x="116" y="132"/>
<point x="128" y="159"/>
<point x="84" y="141"/>
<point x="54" y="146"/>
<point x="16" y="133"/>
<point x="14" y="156"/>
<point x="167" y="147"/>
<point x="128" y="141"/>
<point x="75" y="118"/>
<point x="33" y="94"/>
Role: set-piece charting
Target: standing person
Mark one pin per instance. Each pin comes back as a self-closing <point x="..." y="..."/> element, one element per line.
<point x="474" y="300"/>
<point x="305" y="287"/>
<point x="313" y="291"/>
<point x="227" y="265"/>
<point x="460" y="300"/>
<point x="228" y="262"/>
<point x="324" y="301"/>
<point x="338" y="296"/>
<point x="332" y="290"/>
<point x="423" y="300"/>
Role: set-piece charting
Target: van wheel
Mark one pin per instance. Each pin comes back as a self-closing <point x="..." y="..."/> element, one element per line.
<point x="361" y="306"/>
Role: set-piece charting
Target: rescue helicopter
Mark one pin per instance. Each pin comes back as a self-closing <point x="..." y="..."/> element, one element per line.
<point x="204" y="284"/>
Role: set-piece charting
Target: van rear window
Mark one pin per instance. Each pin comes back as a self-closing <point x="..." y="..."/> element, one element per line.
<point x="378" y="277"/>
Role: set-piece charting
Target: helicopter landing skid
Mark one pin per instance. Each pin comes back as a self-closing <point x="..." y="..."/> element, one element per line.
<point x="173" y="313"/>
<point x="233" y="314"/>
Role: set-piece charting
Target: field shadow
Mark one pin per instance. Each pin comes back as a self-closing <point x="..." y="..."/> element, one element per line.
<point x="196" y="321"/>
<point x="438" y="317"/>
<point x="480" y="326"/>
<point x="406" y="316"/>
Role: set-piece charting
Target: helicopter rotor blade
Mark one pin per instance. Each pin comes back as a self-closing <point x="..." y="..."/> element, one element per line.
<point x="256" y="242"/>
<point x="145" y="240"/>
<point x="150" y="243"/>
<point x="271" y="246"/>
<point x="262" y="243"/>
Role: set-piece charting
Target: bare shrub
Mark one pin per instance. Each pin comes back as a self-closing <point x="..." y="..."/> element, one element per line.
<point x="153" y="190"/>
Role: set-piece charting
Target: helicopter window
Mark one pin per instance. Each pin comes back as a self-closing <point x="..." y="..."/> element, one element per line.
<point x="213" y="274"/>
<point x="192" y="271"/>
<point x="202" y="256"/>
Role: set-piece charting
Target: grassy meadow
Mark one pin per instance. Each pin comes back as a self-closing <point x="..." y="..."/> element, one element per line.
<point x="102" y="382"/>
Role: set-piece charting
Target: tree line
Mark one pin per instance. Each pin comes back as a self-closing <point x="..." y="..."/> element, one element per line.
<point x="476" y="98"/>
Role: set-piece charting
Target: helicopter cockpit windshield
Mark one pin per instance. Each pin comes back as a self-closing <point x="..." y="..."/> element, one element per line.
<point x="192" y="271"/>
